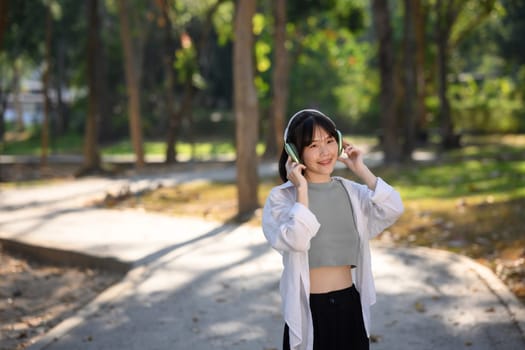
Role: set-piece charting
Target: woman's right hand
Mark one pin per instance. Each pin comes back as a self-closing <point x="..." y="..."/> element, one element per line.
<point x="294" y="173"/>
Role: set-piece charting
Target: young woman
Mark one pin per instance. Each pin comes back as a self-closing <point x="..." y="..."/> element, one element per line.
<point x="321" y="225"/>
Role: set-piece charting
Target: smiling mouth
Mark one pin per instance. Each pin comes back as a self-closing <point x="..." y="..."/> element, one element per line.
<point x="325" y="162"/>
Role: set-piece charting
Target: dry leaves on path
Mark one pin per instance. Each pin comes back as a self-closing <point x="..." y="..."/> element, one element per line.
<point x="36" y="297"/>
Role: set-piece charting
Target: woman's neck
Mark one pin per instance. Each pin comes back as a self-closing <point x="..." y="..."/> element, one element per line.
<point x="318" y="178"/>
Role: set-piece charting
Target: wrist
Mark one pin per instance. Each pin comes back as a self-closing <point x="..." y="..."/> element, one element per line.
<point x="302" y="195"/>
<point x="366" y="175"/>
<point x="360" y="169"/>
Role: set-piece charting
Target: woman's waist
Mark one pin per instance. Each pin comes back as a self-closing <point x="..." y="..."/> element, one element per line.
<point x="330" y="278"/>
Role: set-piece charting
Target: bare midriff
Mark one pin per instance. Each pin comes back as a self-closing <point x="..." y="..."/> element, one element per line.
<point x="330" y="278"/>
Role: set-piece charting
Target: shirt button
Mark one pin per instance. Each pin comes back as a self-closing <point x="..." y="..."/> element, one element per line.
<point x="331" y="300"/>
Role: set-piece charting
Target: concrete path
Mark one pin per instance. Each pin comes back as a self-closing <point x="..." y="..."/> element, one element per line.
<point x="202" y="285"/>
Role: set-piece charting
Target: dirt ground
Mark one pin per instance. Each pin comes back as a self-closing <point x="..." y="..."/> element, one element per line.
<point x="35" y="297"/>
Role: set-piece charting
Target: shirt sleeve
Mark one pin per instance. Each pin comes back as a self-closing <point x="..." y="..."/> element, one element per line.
<point x="382" y="207"/>
<point x="287" y="224"/>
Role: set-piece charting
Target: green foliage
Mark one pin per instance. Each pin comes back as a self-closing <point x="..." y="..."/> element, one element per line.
<point x="360" y="84"/>
<point x="332" y="61"/>
<point x="512" y="31"/>
<point x="223" y="20"/>
<point x="332" y="72"/>
<point x="185" y="63"/>
<point x="21" y="38"/>
<point x="490" y="105"/>
<point x="484" y="97"/>
<point x="263" y="59"/>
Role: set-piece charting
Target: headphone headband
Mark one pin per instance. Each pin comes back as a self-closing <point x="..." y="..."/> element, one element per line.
<point x="308" y="110"/>
<point x="290" y="147"/>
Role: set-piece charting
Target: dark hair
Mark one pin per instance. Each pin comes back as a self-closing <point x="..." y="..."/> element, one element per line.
<point x="300" y="134"/>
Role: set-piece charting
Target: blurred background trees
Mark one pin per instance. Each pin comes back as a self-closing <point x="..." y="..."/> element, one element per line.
<point x="411" y="72"/>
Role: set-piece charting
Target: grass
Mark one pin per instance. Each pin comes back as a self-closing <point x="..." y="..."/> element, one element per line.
<point x="28" y="143"/>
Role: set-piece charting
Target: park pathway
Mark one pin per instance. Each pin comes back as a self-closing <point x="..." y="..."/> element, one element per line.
<point x="196" y="285"/>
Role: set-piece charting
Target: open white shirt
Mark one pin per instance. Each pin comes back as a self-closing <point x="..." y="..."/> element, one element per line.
<point x="289" y="226"/>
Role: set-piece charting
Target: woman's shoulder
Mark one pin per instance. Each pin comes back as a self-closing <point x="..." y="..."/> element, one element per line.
<point x="282" y="189"/>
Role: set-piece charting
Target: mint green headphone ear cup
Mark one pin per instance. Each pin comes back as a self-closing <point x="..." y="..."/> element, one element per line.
<point x="292" y="152"/>
<point x="339" y="142"/>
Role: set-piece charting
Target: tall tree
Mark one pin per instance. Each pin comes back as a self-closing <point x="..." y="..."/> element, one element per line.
<point x="280" y="82"/>
<point x="387" y="99"/>
<point x="246" y="109"/>
<point x="132" y="83"/>
<point x="419" y="16"/>
<point x="4" y="8"/>
<point x="91" y="150"/>
<point x="3" y="26"/>
<point x="410" y="81"/>
<point x="46" y="87"/>
<point x="511" y="42"/>
<point x="447" y="12"/>
<point x="169" y="82"/>
<point x="188" y="61"/>
<point x="448" y="36"/>
<point x="17" y="90"/>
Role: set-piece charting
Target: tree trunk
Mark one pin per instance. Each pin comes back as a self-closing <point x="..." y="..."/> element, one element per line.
<point x="447" y="15"/>
<point x="169" y="83"/>
<point x="390" y="138"/>
<point x="421" y="110"/>
<point x="45" y="86"/>
<point x="274" y="143"/>
<point x="17" y="91"/>
<point x="246" y="110"/>
<point x="447" y="130"/>
<point x="4" y="10"/>
<point x="176" y="117"/>
<point x="410" y="82"/>
<point x="91" y="150"/>
<point x="104" y="126"/>
<point x="132" y="84"/>
<point x="3" y="107"/>
<point x="61" y="123"/>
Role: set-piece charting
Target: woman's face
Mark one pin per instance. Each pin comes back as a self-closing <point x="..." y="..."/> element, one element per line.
<point x="320" y="156"/>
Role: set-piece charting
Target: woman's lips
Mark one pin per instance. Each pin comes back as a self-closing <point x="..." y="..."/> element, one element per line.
<point x="325" y="162"/>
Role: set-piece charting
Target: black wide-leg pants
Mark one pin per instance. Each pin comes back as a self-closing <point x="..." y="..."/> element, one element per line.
<point x="337" y="320"/>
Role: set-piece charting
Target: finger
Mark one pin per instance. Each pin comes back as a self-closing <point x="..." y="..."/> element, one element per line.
<point x="294" y="167"/>
<point x="289" y="164"/>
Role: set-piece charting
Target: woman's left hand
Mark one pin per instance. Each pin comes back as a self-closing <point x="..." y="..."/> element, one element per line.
<point x="354" y="162"/>
<point x="354" y="157"/>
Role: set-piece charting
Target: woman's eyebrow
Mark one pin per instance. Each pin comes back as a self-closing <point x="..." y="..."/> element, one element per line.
<point x="323" y="138"/>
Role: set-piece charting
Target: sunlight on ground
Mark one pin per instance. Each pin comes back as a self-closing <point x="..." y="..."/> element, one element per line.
<point x="468" y="202"/>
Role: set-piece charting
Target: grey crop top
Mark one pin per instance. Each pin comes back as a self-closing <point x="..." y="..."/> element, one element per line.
<point x="337" y="241"/>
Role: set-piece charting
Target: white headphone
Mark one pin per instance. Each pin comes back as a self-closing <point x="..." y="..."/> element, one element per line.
<point x="308" y="110"/>
<point x="290" y="147"/>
